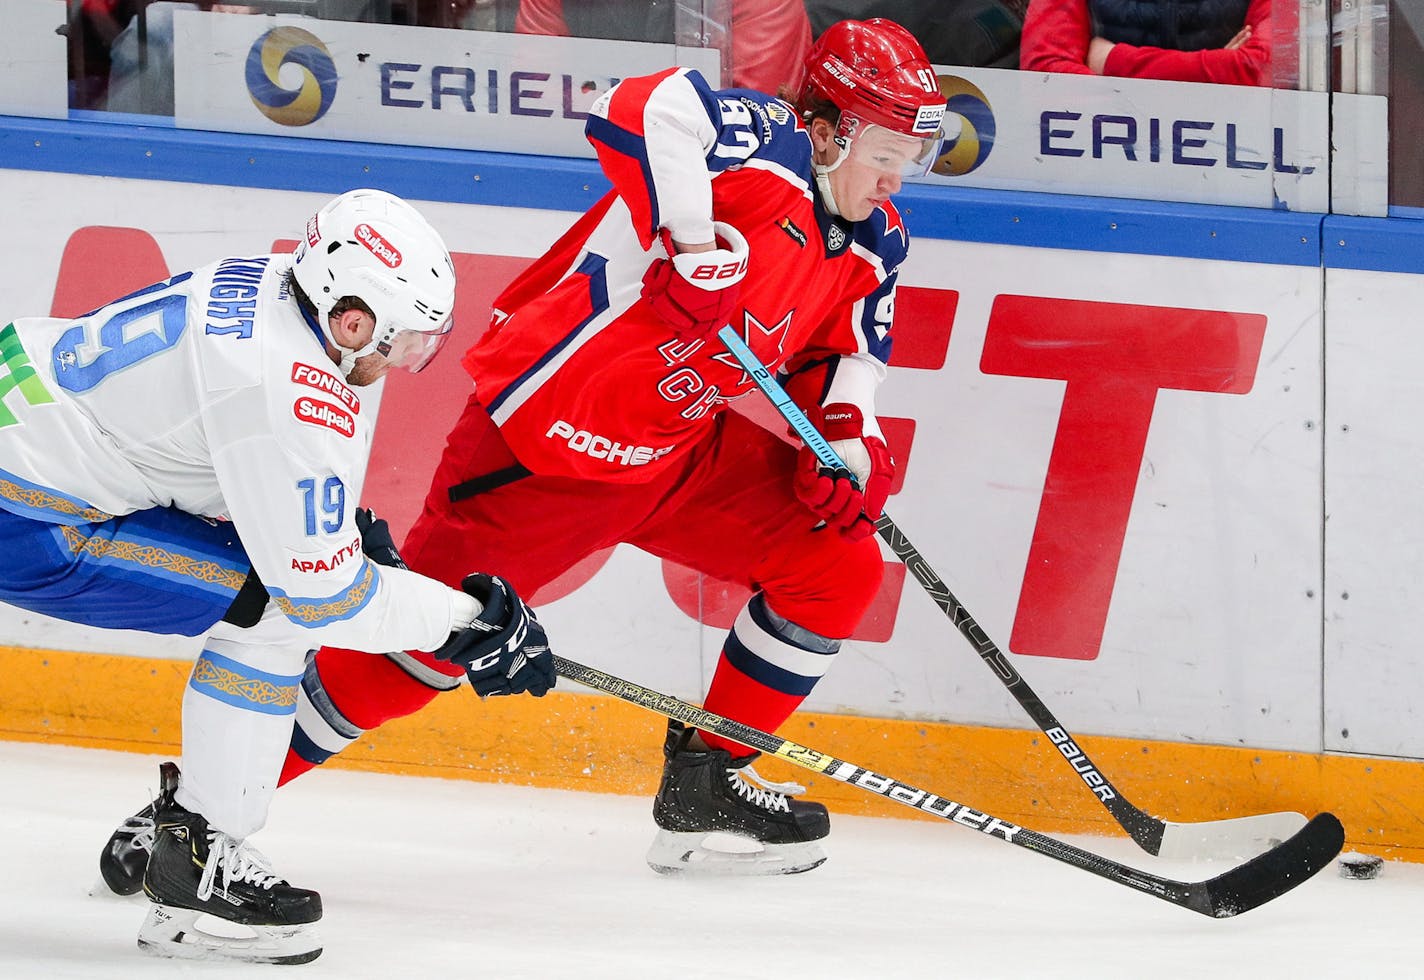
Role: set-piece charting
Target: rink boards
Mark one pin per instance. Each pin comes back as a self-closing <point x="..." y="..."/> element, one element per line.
<point x="1121" y="425"/>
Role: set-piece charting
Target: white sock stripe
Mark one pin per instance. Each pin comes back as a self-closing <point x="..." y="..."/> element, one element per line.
<point x="775" y="651"/>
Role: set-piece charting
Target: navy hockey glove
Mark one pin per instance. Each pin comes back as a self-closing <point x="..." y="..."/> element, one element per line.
<point x="376" y="539"/>
<point x="505" y="650"/>
<point x="697" y="293"/>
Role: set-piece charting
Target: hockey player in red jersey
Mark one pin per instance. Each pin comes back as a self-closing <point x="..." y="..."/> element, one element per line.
<point x="598" y="415"/>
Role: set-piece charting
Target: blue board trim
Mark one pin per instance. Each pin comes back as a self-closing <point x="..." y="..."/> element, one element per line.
<point x="1374" y="244"/>
<point x="150" y="148"/>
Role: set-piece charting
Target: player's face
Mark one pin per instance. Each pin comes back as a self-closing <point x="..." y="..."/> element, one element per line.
<point x="873" y="166"/>
<point x="864" y="181"/>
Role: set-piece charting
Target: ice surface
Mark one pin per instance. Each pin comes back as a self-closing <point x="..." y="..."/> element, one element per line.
<point x="438" y="878"/>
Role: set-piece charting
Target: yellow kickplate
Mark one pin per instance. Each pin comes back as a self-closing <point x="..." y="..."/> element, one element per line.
<point x="599" y="744"/>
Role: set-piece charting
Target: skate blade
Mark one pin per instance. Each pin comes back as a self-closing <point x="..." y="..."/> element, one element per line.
<point x="729" y="855"/>
<point x="184" y="934"/>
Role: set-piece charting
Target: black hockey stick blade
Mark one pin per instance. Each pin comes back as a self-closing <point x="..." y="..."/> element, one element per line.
<point x="1272" y="874"/>
<point x="1241" y="889"/>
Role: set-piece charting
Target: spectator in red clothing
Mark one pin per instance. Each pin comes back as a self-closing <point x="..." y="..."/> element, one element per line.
<point x="770" y="38"/>
<point x="1222" y="41"/>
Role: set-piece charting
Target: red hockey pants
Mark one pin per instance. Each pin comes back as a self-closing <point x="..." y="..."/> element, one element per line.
<point x="725" y="508"/>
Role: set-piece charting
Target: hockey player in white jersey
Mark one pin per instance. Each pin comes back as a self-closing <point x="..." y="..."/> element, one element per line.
<point x="188" y="460"/>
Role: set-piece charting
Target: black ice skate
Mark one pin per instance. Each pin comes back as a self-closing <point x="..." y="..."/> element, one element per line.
<point x="717" y="816"/>
<point x="125" y="856"/>
<point x="195" y="872"/>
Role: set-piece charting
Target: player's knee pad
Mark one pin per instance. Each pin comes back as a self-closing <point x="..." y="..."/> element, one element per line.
<point x="828" y="585"/>
<point x="368" y="690"/>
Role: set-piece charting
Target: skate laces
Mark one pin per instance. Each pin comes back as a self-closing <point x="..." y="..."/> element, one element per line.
<point x="142" y="830"/>
<point x="755" y="788"/>
<point x="239" y="862"/>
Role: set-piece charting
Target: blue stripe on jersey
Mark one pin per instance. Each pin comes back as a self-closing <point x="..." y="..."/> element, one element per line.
<point x="241" y="686"/>
<point x="314" y="612"/>
<point x="594" y="267"/>
<point x="25" y="499"/>
<point x="634" y="148"/>
<point x="160" y="545"/>
<point x="739" y="656"/>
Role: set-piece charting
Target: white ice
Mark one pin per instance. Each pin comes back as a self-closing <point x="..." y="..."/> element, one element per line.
<point x="435" y="878"/>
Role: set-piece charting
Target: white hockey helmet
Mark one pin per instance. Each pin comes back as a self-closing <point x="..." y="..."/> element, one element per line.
<point x="376" y="247"/>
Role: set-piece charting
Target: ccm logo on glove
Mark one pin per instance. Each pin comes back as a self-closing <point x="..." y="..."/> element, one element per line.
<point x="505" y="650"/>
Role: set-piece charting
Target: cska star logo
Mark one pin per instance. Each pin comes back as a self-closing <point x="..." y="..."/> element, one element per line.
<point x="758" y="336"/>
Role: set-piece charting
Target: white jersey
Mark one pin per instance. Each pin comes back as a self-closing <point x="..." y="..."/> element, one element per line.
<point x="212" y="393"/>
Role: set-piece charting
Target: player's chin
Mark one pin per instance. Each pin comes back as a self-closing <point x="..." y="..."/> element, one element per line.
<point x="860" y="210"/>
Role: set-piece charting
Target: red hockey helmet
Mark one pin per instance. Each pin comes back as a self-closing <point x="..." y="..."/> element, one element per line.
<point x="875" y="69"/>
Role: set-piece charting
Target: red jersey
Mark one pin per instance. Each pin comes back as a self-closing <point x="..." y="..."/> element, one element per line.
<point x="580" y="374"/>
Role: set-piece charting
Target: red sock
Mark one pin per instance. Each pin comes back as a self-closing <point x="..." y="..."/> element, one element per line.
<point x="735" y="695"/>
<point x="367" y="689"/>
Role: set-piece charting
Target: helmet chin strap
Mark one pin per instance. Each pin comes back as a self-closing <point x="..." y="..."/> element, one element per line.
<point x="823" y="177"/>
<point x="349" y="357"/>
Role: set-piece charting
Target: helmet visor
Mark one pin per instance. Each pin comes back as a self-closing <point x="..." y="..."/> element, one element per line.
<point x="890" y="152"/>
<point x="414" y="349"/>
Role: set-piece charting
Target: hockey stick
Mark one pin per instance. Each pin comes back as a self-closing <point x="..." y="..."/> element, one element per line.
<point x="1230" y="838"/>
<point x="1242" y="888"/>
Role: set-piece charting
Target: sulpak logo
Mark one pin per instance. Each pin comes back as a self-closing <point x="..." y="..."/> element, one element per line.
<point x="325" y="414"/>
<point x="378" y="246"/>
<point x="305" y="374"/>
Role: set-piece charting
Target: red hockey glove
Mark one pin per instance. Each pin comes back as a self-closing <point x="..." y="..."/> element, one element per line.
<point x="851" y="499"/>
<point x="697" y="292"/>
